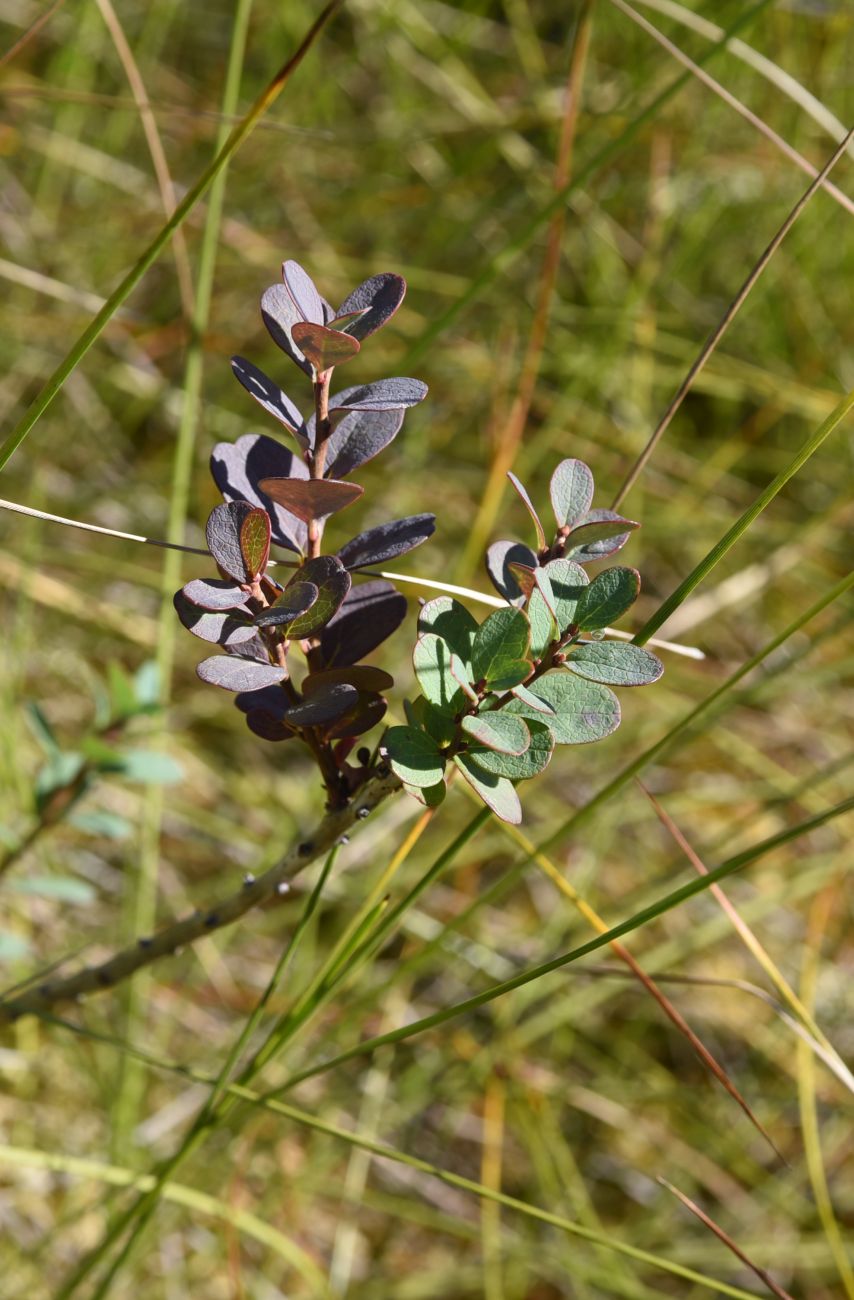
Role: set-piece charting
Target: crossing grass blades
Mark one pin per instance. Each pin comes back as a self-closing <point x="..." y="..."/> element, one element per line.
<point x="496" y="697"/>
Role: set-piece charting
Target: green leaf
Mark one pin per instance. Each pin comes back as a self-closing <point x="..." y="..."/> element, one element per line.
<point x="529" y="506"/>
<point x="583" y="711"/>
<point x="439" y="725"/>
<point x="533" y="701"/>
<point x="500" y="731"/>
<point x="451" y="621"/>
<point x="461" y="676"/>
<point x="149" y="767"/>
<point x="98" y="822"/>
<point x="571" y="491"/>
<point x="255" y="542"/>
<point x="297" y="599"/>
<point x="432" y="661"/>
<point x="66" y="888"/>
<point x="495" y="791"/>
<point x="12" y="946"/>
<point x="122" y="693"/>
<point x="608" y="597"/>
<point x="500" y="644"/>
<point x="519" y="767"/>
<point x="429" y="795"/>
<point x="55" y="775"/>
<point x="42" y="730"/>
<point x="541" y="615"/>
<point x="146" y="685"/>
<point x="616" y="662"/>
<point x="515" y="671"/>
<point x="414" y="756"/>
<point x="568" y="582"/>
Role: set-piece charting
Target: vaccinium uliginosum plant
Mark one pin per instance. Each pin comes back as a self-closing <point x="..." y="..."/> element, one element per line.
<point x="282" y="497"/>
<point x="497" y="697"/>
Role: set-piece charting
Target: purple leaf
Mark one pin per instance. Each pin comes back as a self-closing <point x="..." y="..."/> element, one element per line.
<point x="357" y="437"/>
<point x="222" y="532"/>
<point x="303" y="292"/>
<point x="314" y="498"/>
<point x="363" y="676"/>
<point x="219" y="626"/>
<point x="598" y="535"/>
<point x="379" y="297"/>
<point x="214" y="593"/>
<point x="270" y="396"/>
<point x="280" y="315"/>
<point x="325" y="705"/>
<point x="371" y="612"/>
<point x="266" y="726"/>
<point x="271" y="699"/>
<point x="499" y="557"/>
<point x="387" y="541"/>
<point x="295" y="600"/>
<point x="368" y="711"/>
<point x="237" y="469"/>
<point x="235" y="674"/>
<point x="384" y="395"/>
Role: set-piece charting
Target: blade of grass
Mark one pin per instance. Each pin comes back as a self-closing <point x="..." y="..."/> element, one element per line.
<point x="517" y="245"/>
<point x="120" y="295"/>
<point x="743" y="523"/>
<point x="727" y="318"/>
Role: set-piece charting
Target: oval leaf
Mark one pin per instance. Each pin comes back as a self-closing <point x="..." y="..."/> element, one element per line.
<point x="303" y="292"/>
<point x="269" y="395"/>
<point x="221" y="627"/>
<point x="238" y="468"/>
<point x="386" y="541"/>
<point x="571" y="492"/>
<point x="431" y="659"/>
<point x="310" y="499"/>
<point x="597" y="550"/>
<point x="500" y="558"/>
<point x="608" y="597"/>
<point x="363" y="676"/>
<point x="495" y="791"/>
<point x="383" y="395"/>
<point x="357" y="437"/>
<point x="503" y="732"/>
<point x="324" y="347"/>
<point x="615" y="662"/>
<point x="369" y="614"/>
<point x="583" y="711"/>
<point x="214" y="593"/>
<point x="451" y="621"/>
<point x="567" y="583"/>
<point x="295" y="600"/>
<point x="368" y="710"/>
<point x="529" y="506"/>
<point x="222" y="533"/>
<point x="255" y="542"/>
<point x="500" y="644"/>
<point x="519" y="767"/>
<point x="332" y="582"/>
<point x="279" y="314"/>
<point x="325" y="705"/>
<point x="376" y="300"/>
<point x="235" y="674"/>
<point x="414" y="756"/>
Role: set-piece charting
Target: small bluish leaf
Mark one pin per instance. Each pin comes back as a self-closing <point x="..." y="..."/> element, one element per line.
<point x="495" y="791"/>
<point x="303" y="292"/>
<point x="450" y="620"/>
<point x="414" y="756"/>
<point x="616" y="663"/>
<point x="519" y="767"/>
<point x="222" y="533"/>
<point x="500" y="558"/>
<point x="533" y="702"/>
<point x="146" y="685"/>
<point x="296" y="599"/>
<point x="98" y="822"/>
<point x="583" y="711"/>
<point x="280" y="315"/>
<point x="387" y="541"/>
<point x="432" y="661"/>
<point x="66" y="889"/>
<point x="500" y="645"/>
<point x="567" y="582"/>
<point x="375" y="300"/>
<point x="332" y="581"/>
<point x="590" y="549"/>
<point x="324" y="347"/>
<point x="383" y="395"/>
<point x="608" y="597"/>
<point x="571" y="491"/>
<point x="357" y="437"/>
<point x="541" y="615"/>
<point x="149" y="767"/>
<point x="429" y="796"/>
<point x="529" y="506"/>
<point x="214" y="593"/>
<point x="235" y="674"/>
<point x="269" y="395"/>
<point x="345" y="320"/>
<point x="255" y="542"/>
<point x="503" y="732"/>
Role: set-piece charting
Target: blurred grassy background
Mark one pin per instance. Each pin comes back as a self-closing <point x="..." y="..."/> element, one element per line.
<point x="421" y="138"/>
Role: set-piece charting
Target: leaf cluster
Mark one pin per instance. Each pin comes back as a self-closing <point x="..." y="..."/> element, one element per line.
<point x="282" y="496"/>
<point x="497" y="697"/>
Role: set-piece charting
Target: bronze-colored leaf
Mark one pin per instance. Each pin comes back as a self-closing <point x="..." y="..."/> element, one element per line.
<point x="312" y="498"/>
